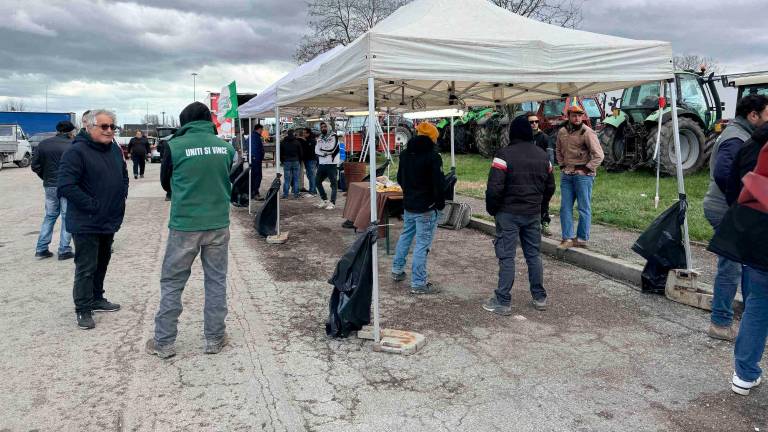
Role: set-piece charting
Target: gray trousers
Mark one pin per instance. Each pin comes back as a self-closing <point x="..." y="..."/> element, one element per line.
<point x="180" y="253"/>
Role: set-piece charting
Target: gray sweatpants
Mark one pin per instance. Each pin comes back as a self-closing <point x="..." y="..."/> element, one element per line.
<point x="180" y="253"/>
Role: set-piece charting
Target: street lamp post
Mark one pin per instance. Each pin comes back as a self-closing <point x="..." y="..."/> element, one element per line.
<point x="194" y="84"/>
<point x="163" y="112"/>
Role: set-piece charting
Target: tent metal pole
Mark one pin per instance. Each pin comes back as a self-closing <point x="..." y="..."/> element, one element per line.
<point x="250" y="168"/>
<point x="389" y="149"/>
<point x="278" y="166"/>
<point x="453" y="153"/>
<point x="374" y="207"/>
<point x="656" y="154"/>
<point x="680" y="180"/>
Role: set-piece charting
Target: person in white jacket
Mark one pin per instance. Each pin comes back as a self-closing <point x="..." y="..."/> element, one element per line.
<point x="327" y="151"/>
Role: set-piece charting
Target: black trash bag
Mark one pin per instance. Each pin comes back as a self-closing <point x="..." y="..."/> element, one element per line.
<point x="235" y="171"/>
<point x="450" y="183"/>
<point x="266" y="216"/>
<point x="654" y="277"/>
<point x="239" y="194"/>
<point x="661" y="244"/>
<point x="350" y="304"/>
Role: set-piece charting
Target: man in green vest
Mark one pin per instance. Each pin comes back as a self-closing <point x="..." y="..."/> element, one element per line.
<point x="195" y="168"/>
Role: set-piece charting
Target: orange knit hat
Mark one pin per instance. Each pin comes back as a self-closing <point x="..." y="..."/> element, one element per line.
<point x="429" y="130"/>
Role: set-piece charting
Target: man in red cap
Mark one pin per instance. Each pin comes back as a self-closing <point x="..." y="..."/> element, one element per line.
<point x="579" y="154"/>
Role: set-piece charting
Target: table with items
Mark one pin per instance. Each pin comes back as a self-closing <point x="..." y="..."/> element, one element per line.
<point x="357" y="209"/>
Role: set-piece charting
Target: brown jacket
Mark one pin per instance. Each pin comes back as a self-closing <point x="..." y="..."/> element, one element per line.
<point x="579" y="152"/>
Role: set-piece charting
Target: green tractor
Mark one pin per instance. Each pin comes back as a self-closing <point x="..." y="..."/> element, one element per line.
<point x="628" y="137"/>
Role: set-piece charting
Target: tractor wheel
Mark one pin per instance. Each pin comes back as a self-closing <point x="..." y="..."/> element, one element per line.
<point x="614" y="148"/>
<point x="24" y="162"/>
<point x="692" y="142"/>
<point x="487" y="141"/>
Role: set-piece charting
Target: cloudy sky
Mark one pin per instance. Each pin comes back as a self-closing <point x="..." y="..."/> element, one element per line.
<point x="128" y="56"/>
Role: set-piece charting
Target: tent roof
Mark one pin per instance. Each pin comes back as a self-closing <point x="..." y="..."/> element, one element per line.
<point x="481" y="54"/>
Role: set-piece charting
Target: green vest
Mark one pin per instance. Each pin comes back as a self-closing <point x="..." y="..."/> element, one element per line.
<point x="200" y="186"/>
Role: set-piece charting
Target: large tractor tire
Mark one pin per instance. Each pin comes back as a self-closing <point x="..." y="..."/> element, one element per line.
<point x="490" y="139"/>
<point x="614" y="148"/>
<point x="692" y="146"/>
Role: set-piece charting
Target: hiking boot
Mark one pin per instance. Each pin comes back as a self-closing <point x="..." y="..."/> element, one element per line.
<point x="739" y="386"/>
<point x="163" y="352"/>
<point x="429" y="288"/>
<point x="545" y="229"/>
<point x="103" y="305"/>
<point x="540" y="304"/>
<point x="566" y="244"/>
<point x="330" y="206"/>
<point x="322" y="204"/>
<point x="493" y="305"/>
<point x="580" y="244"/>
<point x="722" y="333"/>
<point x="44" y="254"/>
<point x="214" y="347"/>
<point x="398" y="277"/>
<point x="66" y="256"/>
<point x="85" y="320"/>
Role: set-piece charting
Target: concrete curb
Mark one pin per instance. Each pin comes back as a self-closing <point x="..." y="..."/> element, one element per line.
<point x="614" y="268"/>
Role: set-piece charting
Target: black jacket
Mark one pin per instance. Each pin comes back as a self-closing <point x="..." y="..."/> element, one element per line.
<point x="744" y="162"/>
<point x="421" y="177"/>
<point x="541" y="140"/>
<point x="520" y="175"/>
<point x="94" y="180"/>
<point x="290" y="149"/>
<point x="308" y="149"/>
<point x="138" y="147"/>
<point x="45" y="163"/>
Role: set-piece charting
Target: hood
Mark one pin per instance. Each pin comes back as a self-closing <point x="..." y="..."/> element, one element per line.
<point x="520" y="129"/>
<point x="194" y="112"/>
<point x="744" y="124"/>
<point x="420" y="144"/>
<point x="199" y="126"/>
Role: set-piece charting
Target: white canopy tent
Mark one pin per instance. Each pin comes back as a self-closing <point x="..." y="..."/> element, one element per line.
<point x="442" y="53"/>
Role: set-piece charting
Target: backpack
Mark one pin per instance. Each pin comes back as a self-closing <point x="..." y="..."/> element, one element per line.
<point x="455" y="215"/>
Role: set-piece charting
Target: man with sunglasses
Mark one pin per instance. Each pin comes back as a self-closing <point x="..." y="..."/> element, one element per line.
<point x="93" y="177"/>
<point x="542" y="141"/>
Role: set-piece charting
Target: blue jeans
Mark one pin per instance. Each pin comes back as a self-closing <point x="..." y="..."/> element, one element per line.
<point x="291" y="179"/>
<point x="311" y="167"/>
<point x="422" y="226"/>
<point x="576" y="188"/>
<point x="510" y="227"/>
<point x="54" y="206"/>
<point x="750" y="343"/>
<point x="726" y="279"/>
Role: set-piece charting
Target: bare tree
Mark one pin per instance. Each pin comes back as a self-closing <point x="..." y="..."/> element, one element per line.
<point x="564" y="13"/>
<point x="14" y="105"/>
<point x="694" y="62"/>
<point x="151" y="119"/>
<point x="173" y="121"/>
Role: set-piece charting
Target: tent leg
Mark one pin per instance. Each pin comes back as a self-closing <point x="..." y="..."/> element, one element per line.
<point x="453" y="152"/>
<point x="656" y="155"/>
<point x="680" y="180"/>
<point x="278" y="166"/>
<point x="250" y="168"/>
<point x="372" y="181"/>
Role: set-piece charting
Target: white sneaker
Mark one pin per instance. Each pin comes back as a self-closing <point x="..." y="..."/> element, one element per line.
<point x="330" y="206"/>
<point x="739" y="386"/>
<point x="322" y="204"/>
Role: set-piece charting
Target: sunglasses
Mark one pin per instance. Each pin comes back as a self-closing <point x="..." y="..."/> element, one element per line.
<point x="534" y="122"/>
<point x="105" y="126"/>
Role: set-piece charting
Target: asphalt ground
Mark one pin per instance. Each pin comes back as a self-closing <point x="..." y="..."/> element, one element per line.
<point x="603" y="357"/>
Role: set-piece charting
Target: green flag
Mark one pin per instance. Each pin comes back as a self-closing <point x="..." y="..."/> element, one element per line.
<point x="228" y="102"/>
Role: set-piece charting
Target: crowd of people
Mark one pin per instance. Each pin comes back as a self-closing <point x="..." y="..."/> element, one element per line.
<point x="85" y="179"/>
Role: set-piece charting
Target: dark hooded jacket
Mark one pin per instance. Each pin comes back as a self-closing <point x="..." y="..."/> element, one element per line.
<point x="420" y="175"/>
<point x="45" y="163"/>
<point x="520" y="174"/>
<point x="139" y="147"/>
<point x="94" y="179"/>
<point x="744" y="162"/>
<point x="290" y="149"/>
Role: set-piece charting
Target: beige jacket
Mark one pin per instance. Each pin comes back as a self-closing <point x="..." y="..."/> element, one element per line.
<point x="579" y="152"/>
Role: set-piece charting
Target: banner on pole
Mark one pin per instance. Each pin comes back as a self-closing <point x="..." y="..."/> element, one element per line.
<point x="228" y="102"/>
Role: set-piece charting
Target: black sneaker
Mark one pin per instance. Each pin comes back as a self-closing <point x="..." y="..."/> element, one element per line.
<point x="141" y="176"/>
<point x="85" y="320"/>
<point x="348" y="224"/>
<point x="103" y="305"/>
<point x="398" y="277"/>
<point x="540" y="304"/>
<point x="493" y="305"/>
<point x="66" y="256"/>
<point x="429" y="288"/>
<point x="44" y="254"/>
<point x="135" y="177"/>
